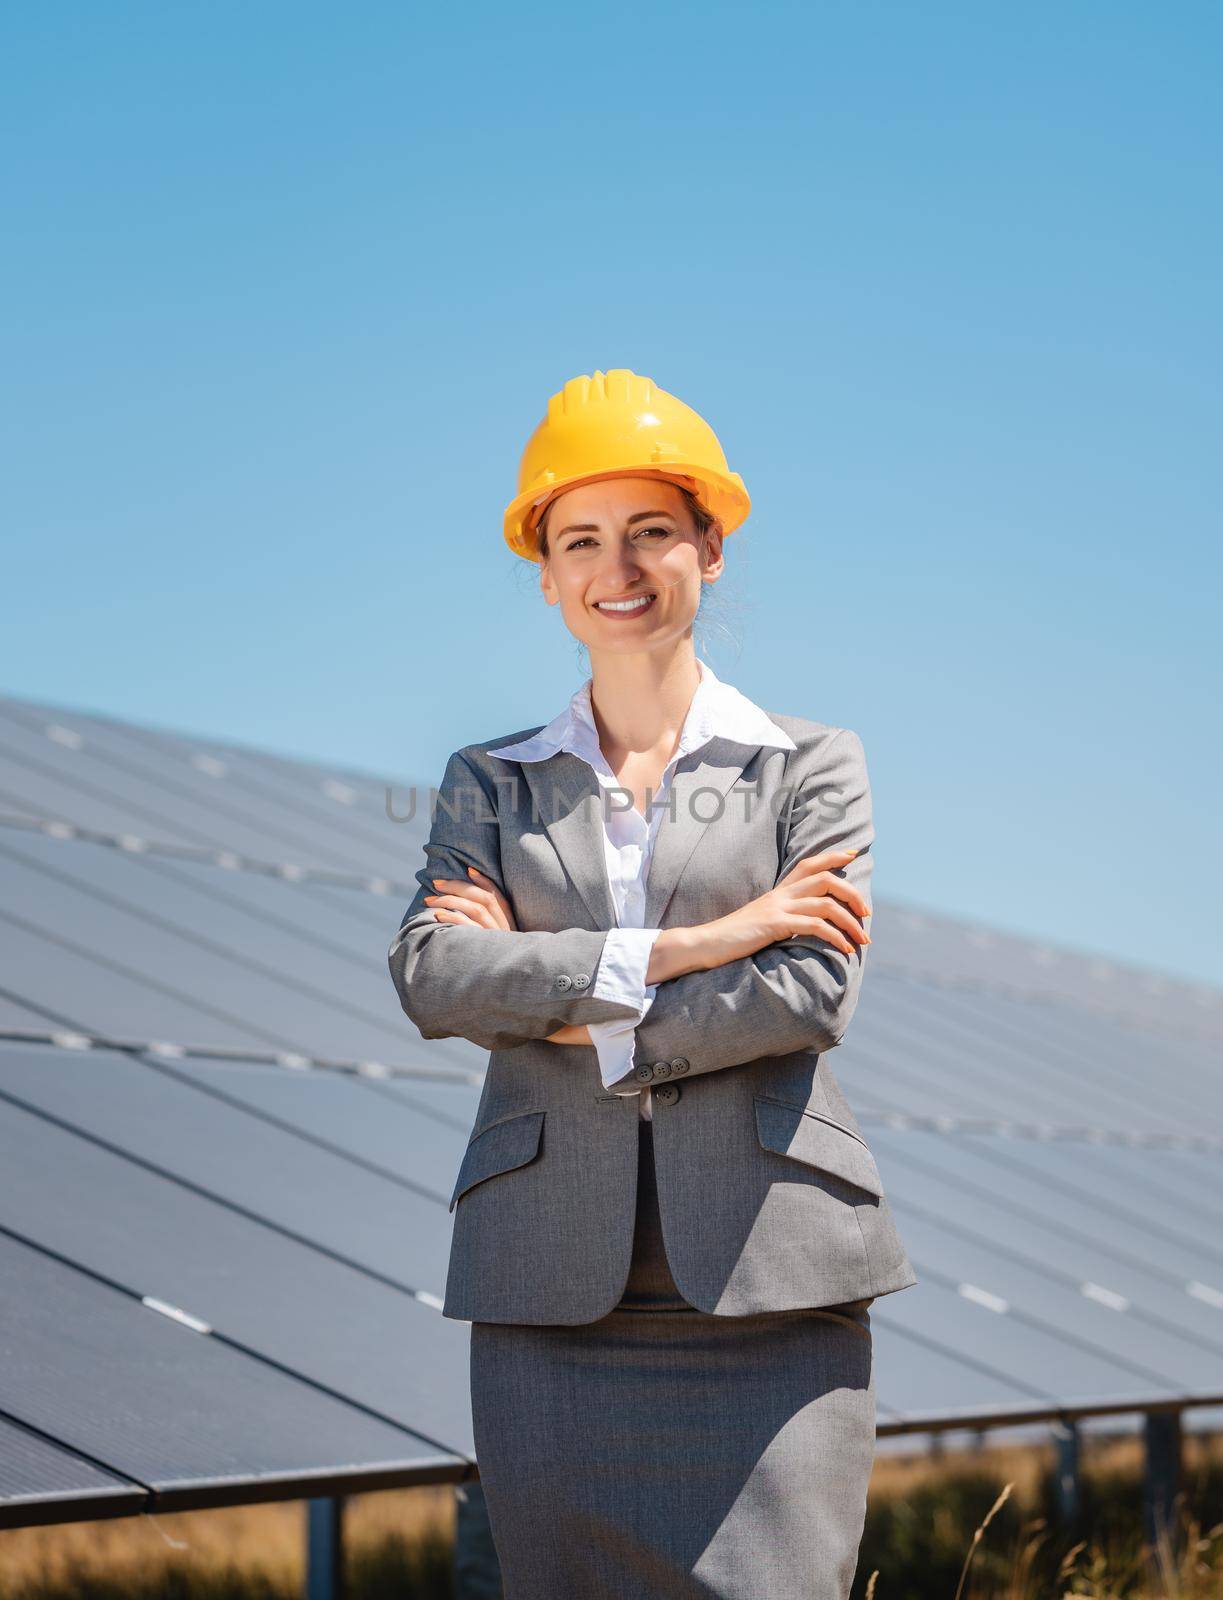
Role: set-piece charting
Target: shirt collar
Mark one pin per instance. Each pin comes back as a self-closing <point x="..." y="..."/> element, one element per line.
<point x="718" y="710"/>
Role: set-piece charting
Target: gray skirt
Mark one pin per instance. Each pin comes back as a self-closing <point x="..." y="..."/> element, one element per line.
<point x="662" y="1453"/>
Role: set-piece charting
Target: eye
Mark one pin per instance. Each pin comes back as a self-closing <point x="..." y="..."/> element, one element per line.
<point x="658" y="528"/>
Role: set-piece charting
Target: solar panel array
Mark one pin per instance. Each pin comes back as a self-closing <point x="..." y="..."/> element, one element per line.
<point x="225" y="1154"/>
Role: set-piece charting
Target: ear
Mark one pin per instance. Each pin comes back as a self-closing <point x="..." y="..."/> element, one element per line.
<point x="713" y="562"/>
<point x="547" y="584"/>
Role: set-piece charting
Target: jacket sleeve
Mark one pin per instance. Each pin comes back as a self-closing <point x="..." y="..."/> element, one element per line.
<point x="497" y="988"/>
<point x="798" y="993"/>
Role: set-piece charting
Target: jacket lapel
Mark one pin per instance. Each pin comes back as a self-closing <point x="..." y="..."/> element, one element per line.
<point x="695" y="797"/>
<point x="567" y="798"/>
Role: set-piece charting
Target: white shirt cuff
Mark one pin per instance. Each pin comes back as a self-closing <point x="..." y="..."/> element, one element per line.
<point x="621" y="976"/>
<point x="622" y="969"/>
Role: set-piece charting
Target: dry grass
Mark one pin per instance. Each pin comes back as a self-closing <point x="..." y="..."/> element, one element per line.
<point x="977" y="1525"/>
<point x="393" y="1541"/>
<point x="928" y="1531"/>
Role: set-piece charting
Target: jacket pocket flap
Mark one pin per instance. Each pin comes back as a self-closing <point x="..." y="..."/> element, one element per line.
<point x="507" y="1144"/>
<point x="808" y="1137"/>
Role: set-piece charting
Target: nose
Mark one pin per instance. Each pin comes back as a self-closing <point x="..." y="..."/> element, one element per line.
<point x="622" y="566"/>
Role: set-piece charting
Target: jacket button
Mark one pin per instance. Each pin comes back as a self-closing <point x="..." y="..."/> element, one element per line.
<point x="662" y="1069"/>
<point x="581" y="980"/>
<point x="679" y="1064"/>
<point x="564" y="981"/>
<point x="644" y="1072"/>
<point x="666" y="1094"/>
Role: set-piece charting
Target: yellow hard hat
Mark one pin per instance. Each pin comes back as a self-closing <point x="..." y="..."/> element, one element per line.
<point x="618" y="423"/>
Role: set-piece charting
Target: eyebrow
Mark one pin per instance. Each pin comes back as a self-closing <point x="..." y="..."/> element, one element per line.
<point x="593" y="527"/>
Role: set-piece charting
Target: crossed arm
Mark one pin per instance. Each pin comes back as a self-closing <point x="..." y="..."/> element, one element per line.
<point x="498" y="988"/>
<point x="798" y="993"/>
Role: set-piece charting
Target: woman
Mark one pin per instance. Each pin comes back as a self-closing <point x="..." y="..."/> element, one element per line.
<point x="652" y="911"/>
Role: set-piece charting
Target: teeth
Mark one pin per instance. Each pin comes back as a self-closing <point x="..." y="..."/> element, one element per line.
<point x="622" y="605"/>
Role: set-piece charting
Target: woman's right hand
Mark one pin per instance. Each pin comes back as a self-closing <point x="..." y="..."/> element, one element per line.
<point x="810" y="900"/>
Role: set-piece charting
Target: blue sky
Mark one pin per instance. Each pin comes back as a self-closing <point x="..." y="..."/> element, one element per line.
<point x="286" y="287"/>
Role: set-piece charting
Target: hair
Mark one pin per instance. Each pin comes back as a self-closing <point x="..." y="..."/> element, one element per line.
<point x="701" y="518"/>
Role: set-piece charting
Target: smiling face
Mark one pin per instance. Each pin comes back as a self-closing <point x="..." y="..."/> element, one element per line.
<point x="626" y="561"/>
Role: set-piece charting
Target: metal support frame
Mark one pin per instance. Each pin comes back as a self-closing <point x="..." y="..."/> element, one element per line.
<point x="325" y="1549"/>
<point x="477" y="1572"/>
<point x="1067" y="1444"/>
<point x="1164" y="1477"/>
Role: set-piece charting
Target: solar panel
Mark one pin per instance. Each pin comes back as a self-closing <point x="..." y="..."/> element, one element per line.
<point x="1030" y="1199"/>
<point x="923" y="1050"/>
<point x="143" y="790"/>
<point x="280" y="1297"/>
<point x="137" y="948"/>
<point x="40" y="1482"/>
<point x="995" y="1299"/>
<point x="12" y="1014"/>
<point x="187" y="1414"/>
<point x="417" y="1139"/>
<point x="919" y="1382"/>
<point x="385" y="1221"/>
<point x="104" y="775"/>
<point x="951" y="952"/>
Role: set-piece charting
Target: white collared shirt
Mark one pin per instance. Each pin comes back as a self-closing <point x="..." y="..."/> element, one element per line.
<point x="717" y="709"/>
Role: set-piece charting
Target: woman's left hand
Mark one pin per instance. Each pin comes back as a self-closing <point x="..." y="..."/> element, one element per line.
<point x="478" y="902"/>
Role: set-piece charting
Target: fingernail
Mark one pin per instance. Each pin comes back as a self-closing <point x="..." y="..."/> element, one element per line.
<point x="851" y="852"/>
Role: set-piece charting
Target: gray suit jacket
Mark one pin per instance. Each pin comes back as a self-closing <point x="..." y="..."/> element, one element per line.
<point x="769" y="1194"/>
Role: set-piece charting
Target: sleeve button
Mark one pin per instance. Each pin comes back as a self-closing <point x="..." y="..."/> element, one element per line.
<point x="581" y="980"/>
<point x="564" y="981"/>
<point x="662" y="1069"/>
<point x="679" y="1064"/>
<point x="644" y="1072"/>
